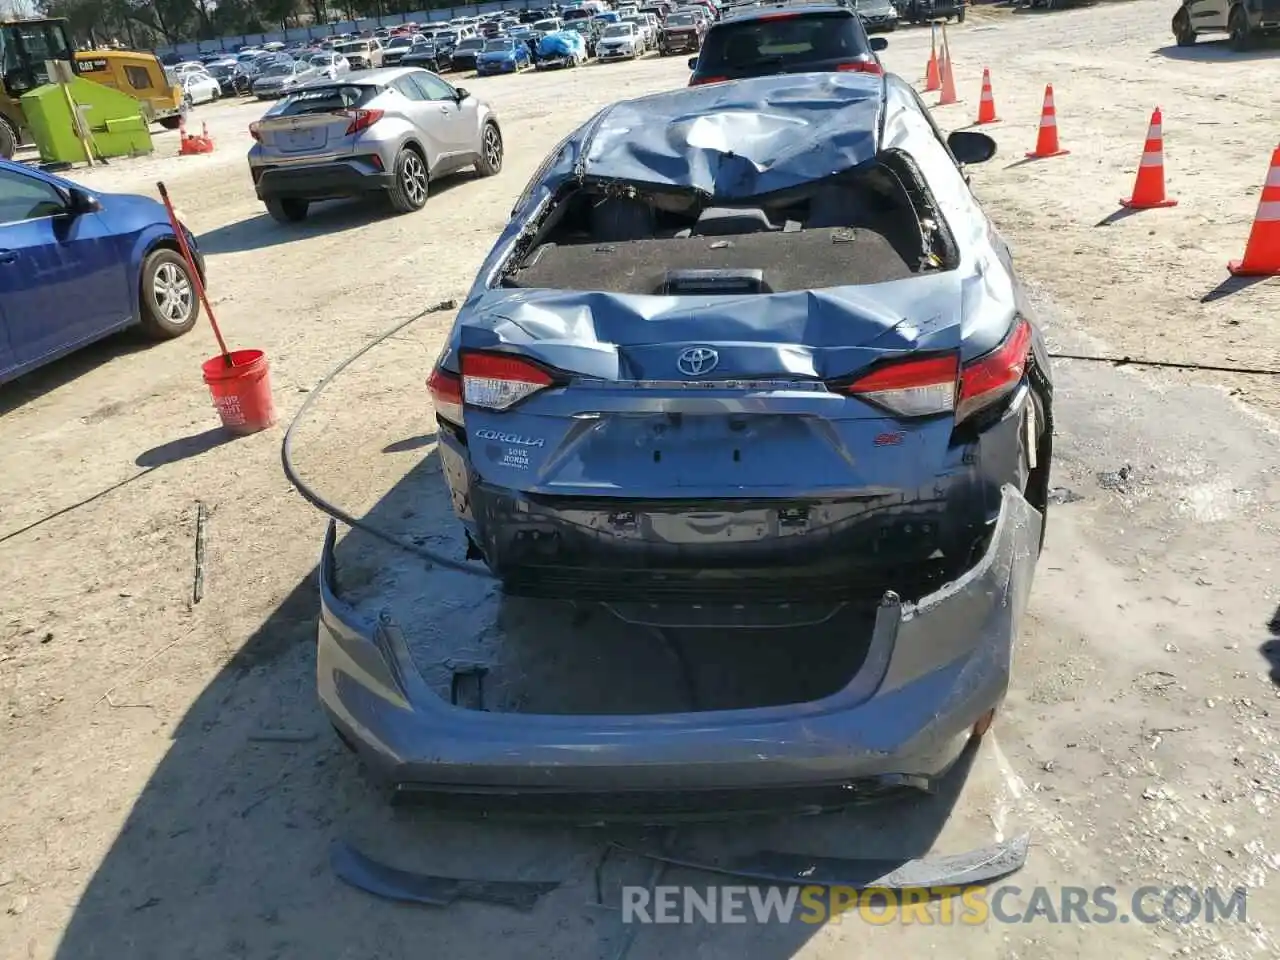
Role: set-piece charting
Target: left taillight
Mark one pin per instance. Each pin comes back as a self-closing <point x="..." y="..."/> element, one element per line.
<point x="929" y="386"/>
<point x="255" y="131"/>
<point x="860" y="66"/>
<point x="445" y="387"/>
<point x="499" y="381"/>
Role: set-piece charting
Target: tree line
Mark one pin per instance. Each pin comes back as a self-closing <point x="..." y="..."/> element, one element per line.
<point x="143" y="25"/>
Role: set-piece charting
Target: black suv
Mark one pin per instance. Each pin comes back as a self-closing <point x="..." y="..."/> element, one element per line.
<point x="759" y="41"/>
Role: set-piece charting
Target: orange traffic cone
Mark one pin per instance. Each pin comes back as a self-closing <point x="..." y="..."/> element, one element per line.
<point x="932" y="74"/>
<point x="1262" y="252"/>
<point x="1047" y="139"/>
<point x="948" y="95"/>
<point x="1148" y="189"/>
<point x="987" y="105"/>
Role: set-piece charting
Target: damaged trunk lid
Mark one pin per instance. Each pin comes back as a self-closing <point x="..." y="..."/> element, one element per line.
<point x="704" y="395"/>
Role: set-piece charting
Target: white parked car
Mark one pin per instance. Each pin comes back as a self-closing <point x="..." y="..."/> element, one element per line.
<point x="199" y="86"/>
<point x="620" y="41"/>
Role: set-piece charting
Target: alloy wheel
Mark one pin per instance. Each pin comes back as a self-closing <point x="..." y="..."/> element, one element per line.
<point x="172" y="293"/>
<point x="413" y="176"/>
<point x="492" y="147"/>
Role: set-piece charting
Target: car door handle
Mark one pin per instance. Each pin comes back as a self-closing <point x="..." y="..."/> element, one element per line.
<point x="444" y="110"/>
<point x="8" y="256"/>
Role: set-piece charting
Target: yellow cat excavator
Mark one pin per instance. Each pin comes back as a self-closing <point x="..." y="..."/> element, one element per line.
<point x="26" y="46"/>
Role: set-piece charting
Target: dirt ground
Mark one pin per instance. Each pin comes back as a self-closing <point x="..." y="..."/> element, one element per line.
<point x="140" y="817"/>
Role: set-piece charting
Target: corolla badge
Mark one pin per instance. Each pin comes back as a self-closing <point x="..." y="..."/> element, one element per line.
<point x="696" y="361"/>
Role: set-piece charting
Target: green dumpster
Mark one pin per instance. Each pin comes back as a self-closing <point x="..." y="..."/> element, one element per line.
<point x="113" y="120"/>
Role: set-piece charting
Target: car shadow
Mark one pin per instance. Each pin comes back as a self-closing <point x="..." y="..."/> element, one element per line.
<point x="34" y="385"/>
<point x="261" y="232"/>
<point x="225" y="850"/>
<point x="323" y="218"/>
<point x="1215" y="50"/>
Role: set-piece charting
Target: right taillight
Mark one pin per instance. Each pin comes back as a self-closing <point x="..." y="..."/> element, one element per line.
<point x="445" y="387"/>
<point x="361" y="119"/>
<point x="932" y="385"/>
<point x="990" y="378"/>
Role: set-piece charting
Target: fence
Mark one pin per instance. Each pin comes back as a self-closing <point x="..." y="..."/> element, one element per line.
<point x="319" y="31"/>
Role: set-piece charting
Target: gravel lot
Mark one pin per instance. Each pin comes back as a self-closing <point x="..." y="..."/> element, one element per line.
<point x="139" y="818"/>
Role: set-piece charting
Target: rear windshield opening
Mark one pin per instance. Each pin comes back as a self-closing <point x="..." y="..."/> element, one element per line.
<point x="326" y="100"/>
<point x="797" y="39"/>
<point x="872" y="224"/>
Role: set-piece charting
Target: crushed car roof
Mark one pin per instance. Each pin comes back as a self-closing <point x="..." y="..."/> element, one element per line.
<point x="739" y="139"/>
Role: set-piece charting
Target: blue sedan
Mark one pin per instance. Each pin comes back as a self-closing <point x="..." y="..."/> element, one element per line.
<point x="503" y="55"/>
<point x="76" y="266"/>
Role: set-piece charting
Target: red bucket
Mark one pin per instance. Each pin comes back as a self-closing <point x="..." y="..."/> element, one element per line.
<point x="242" y="391"/>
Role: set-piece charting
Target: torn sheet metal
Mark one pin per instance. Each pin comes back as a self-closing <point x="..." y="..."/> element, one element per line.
<point x="980" y="866"/>
<point x="381" y="880"/>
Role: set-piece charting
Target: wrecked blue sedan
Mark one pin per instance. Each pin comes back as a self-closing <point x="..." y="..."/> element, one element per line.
<point x="746" y="355"/>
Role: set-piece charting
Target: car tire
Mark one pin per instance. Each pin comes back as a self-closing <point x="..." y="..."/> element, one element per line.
<point x="170" y="305"/>
<point x="1238" y="25"/>
<point x="1183" y="34"/>
<point x="409" y="188"/>
<point x="960" y="14"/>
<point x="287" y="209"/>
<point x="170" y="123"/>
<point x="8" y="140"/>
<point x="490" y="161"/>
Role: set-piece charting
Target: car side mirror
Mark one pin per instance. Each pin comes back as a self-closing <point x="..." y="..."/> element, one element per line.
<point x="461" y="94"/>
<point x="693" y="63"/>
<point x="83" y="202"/>
<point x="879" y="43"/>
<point x="969" y="146"/>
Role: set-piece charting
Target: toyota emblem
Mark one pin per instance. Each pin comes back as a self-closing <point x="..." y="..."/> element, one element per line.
<point x="696" y="361"/>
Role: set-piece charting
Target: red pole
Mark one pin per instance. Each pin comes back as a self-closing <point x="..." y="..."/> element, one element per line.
<point x="195" y="271"/>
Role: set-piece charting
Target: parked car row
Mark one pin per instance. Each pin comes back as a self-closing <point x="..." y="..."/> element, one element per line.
<point x="506" y="42"/>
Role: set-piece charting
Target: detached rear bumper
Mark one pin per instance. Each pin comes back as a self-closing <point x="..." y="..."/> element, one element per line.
<point x="934" y="668"/>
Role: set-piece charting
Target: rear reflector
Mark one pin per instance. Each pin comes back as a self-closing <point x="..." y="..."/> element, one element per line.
<point x="497" y="381"/>
<point x="990" y="378"/>
<point x="360" y="119"/>
<point x="915" y="387"/>
<point x="445" y="387"/>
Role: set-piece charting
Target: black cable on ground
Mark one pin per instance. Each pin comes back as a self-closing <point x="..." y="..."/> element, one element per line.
<point x="323" y="505"/>
<point x="1130" y="361"/>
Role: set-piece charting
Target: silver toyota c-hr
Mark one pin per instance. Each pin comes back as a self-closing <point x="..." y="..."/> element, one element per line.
<point x="389" y="132"/>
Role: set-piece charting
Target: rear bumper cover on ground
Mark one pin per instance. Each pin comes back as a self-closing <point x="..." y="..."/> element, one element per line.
<point x="934" y="668"/>
<point x="322" y="181"/>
